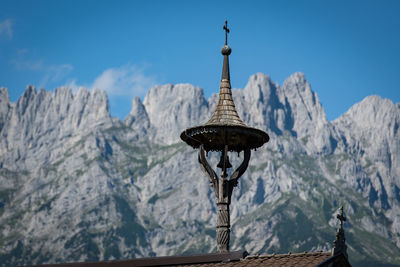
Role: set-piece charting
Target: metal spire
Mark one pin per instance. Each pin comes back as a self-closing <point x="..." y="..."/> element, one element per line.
<point x="224" y="132"/>
<point x="225" y="113"/>
<point x="225" y="127"/>
<point x="340" y="246"/>
<point x="226" y="51"/>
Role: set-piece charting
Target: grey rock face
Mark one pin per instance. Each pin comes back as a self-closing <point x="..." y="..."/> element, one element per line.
<point x="42" y="120"/>
<point x="79" y="185"/>
<point x="138" y="119"/>
<point x="369" y="133"/>
<point x="172" y="108"/>
<point x="5" y="106"/>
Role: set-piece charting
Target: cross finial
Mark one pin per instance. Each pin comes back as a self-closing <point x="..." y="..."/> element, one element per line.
<point x="226" y="32"/>
<point x="341" y="217"/>
<point x="340" y="241"/>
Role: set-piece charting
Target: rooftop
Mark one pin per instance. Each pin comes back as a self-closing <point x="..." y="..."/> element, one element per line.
<point x="235" y="258"/>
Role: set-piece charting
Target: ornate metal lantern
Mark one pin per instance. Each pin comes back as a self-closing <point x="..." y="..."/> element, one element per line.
<point x="224" y="132"/>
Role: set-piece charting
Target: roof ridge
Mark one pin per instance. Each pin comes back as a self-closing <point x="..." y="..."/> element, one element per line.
<point x="289" y="254"/>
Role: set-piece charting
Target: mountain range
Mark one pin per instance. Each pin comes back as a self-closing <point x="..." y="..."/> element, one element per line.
<point x="77" y="184"/>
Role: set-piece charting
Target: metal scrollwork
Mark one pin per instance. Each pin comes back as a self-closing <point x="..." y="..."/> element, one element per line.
<point x="223" y="191"/>
<point x="233" y="180"/>
<point x="208" y="170"/>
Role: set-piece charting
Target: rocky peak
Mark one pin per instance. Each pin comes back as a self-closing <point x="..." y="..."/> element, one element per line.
<point x="372" y="127"/>
<point x="259" y="104"/>
<point x="4" y="94"/>
<point x="5" y="106"/>
<point x="172" y="108"/>
<point x="138" y="110"/>
<point x="41" y="118"/>
<point x="294" y="107"/>
<point x="259" y="87"/>
<point x="91" y="107"/>
<point x="305" y="109"/>
<point x="138" y="118"/>
<point x="373" y="112"/>
<point x="25" y="100"/>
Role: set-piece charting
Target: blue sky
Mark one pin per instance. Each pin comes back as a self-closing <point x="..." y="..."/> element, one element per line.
<point x="347" y="49"/>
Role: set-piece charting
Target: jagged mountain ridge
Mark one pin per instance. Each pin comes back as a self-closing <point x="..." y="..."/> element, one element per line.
<point x="77" y="184"/>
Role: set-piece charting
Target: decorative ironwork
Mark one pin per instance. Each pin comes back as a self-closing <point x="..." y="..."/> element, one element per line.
<point x="224" y="132"/>
<point x="340" y="246"/>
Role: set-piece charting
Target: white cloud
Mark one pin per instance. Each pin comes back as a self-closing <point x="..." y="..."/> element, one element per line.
<point x="128" y="80"/>
<point x="6" y="28"/>
<point x="72" y="83"/>
<point x="51" y="75"/>
<point x="24" y="64"/>
<point x="125" y="81"/>
<point x="54" y="74"/>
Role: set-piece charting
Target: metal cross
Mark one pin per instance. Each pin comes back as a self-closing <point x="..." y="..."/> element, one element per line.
<point x="341" y="217"/>
<point x="226" y="32"/>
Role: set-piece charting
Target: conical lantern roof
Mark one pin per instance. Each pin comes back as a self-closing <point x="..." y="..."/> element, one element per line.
<point x="225" y="126"/>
